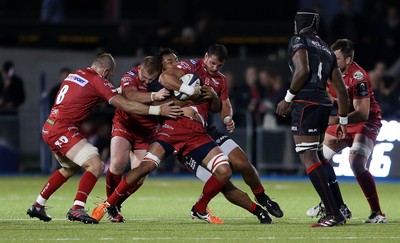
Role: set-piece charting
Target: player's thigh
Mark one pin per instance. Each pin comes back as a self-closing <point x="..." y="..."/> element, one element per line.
<point x="136" y="157"/>
<point x="333" y="143"/>
<point x="119" y="156"/>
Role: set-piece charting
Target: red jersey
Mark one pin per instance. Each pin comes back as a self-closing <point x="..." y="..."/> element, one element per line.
<point x="140" y="125"/>
<point x="78" y="94"/>
<point x="217" y="82"/>
<point x="358" y="85"/>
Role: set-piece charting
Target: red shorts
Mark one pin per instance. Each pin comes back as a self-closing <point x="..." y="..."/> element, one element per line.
<point x="138" y="141"/>
<point x="183" y="134"/>
<point x="60" y="137"/>
<point x="369" y="129"/>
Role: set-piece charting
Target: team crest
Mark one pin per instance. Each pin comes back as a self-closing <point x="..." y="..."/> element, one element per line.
<point x="358" y="75"/>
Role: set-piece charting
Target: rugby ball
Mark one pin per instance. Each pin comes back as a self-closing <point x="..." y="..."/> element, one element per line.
<point x="191" y="79"/>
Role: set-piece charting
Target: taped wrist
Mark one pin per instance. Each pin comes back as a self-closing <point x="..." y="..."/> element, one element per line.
<point x="154" y="110"/>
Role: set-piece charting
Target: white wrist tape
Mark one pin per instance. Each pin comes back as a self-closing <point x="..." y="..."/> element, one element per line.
<point x="151" y="95"/>
<point x="289" y="96"/>
<point x="227" y="118"/>
<point x="186" y="89"/>
<point x="154" y="110"/>
<point x="343" y="120"/>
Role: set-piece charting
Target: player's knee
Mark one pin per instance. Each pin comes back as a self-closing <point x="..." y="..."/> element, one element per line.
<point x="218" y="161"/>
<point x="241" y="165"/>
<point x="117" y="167"/>
<point x="360" y="149"/>
<point x="146" y="167"/>
<point x="357" y="166"/>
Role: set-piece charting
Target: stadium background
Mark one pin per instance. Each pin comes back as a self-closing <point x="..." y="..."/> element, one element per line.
<point x="255" y="33"/>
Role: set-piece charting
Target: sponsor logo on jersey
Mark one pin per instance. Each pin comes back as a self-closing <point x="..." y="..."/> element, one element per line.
<point x="132" y="73"/>
<point x="183" y="65"/>
<point x="108" y="84"/>
<point x="126" y="79"/>
<point x="294" y="128"/>
<point x="313" y="130"/>
<point x="362" y="89"/>
<point x="194" y="62"/>
<point x="318" y="45"/>
<point x="54" y="111"/>
<point x="75" y="78"/>
<point x="215" y="82"/>
<point x="358" y="75"/>
<point x="166" y="126"/>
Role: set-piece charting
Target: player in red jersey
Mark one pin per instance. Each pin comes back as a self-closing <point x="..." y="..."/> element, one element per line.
<point x="363" y="128"/>
<point x="233" y="194"/>
<point x="186" y="135"/>
<point x="131" y="133"/>
<point x="237" y="158"/>
<point x="78" y="94"/>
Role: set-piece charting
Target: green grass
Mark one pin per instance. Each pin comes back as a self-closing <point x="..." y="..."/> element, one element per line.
<point x="159" y="212"/>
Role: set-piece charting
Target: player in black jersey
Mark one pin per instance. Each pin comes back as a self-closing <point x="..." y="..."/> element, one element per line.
<point x="312" y="63"/>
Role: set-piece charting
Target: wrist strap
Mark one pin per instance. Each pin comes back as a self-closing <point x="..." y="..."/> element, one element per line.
<point x="289" y="96"/>
<point x="151" y="95"/>
<point x="227" y="118"/>
<point x="343" y="120"/>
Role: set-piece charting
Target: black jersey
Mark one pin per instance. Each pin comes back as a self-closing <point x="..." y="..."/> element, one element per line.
<point x="322" y="61"/>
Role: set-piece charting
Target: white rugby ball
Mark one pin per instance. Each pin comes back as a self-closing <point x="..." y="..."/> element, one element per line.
<point x="191" y="79"/>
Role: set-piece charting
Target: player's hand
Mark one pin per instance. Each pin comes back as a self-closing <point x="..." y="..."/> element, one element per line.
<point x="169" y="109"/>
<point x="341" y="131"/>
<point x="229" y="123"/>
<point x="161" y="94"/>
<point x="282" y="108"/>
<point x="207" y="92"/>
<point x="196" y="97"/>
<point x="119" y="90"/>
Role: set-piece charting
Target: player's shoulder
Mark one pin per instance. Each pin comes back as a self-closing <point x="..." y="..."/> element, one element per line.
<point x="297" y="40"/>
<point x="358" y="73"/>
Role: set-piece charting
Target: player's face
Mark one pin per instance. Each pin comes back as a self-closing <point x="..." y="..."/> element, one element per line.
<point x="145" y="77"/>
<point x="341" y="61"/>
<point x="168" y="61"/>
<point x="213" y="64"/>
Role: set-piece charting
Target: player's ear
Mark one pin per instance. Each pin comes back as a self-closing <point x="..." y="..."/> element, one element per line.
<point x="348" y="60"/>
<point x="104" y="72"/>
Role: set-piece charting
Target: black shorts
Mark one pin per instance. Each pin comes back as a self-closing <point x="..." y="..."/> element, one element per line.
<point x="216" y="135"/>
<point x="309" y="119"/>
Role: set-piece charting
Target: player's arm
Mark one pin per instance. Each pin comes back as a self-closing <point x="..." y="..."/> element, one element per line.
<point x="301" y="71"/>
<point x="342" y="99"/>
<point x="170" y="80"/>
<point x="361" y="110"/>
<point x="227" y="115"/>
<point x="208" y="93"/>
<point x="300" y="76"/>
<point x="134" y="107"/>
<point x="133" y="93"/>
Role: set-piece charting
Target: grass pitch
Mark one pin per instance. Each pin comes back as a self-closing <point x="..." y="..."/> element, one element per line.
<point x="159" y="212"/>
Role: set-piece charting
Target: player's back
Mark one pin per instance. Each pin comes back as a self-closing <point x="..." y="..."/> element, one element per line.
<point x="321" y="63"/>
<point x="78" y="93"/>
